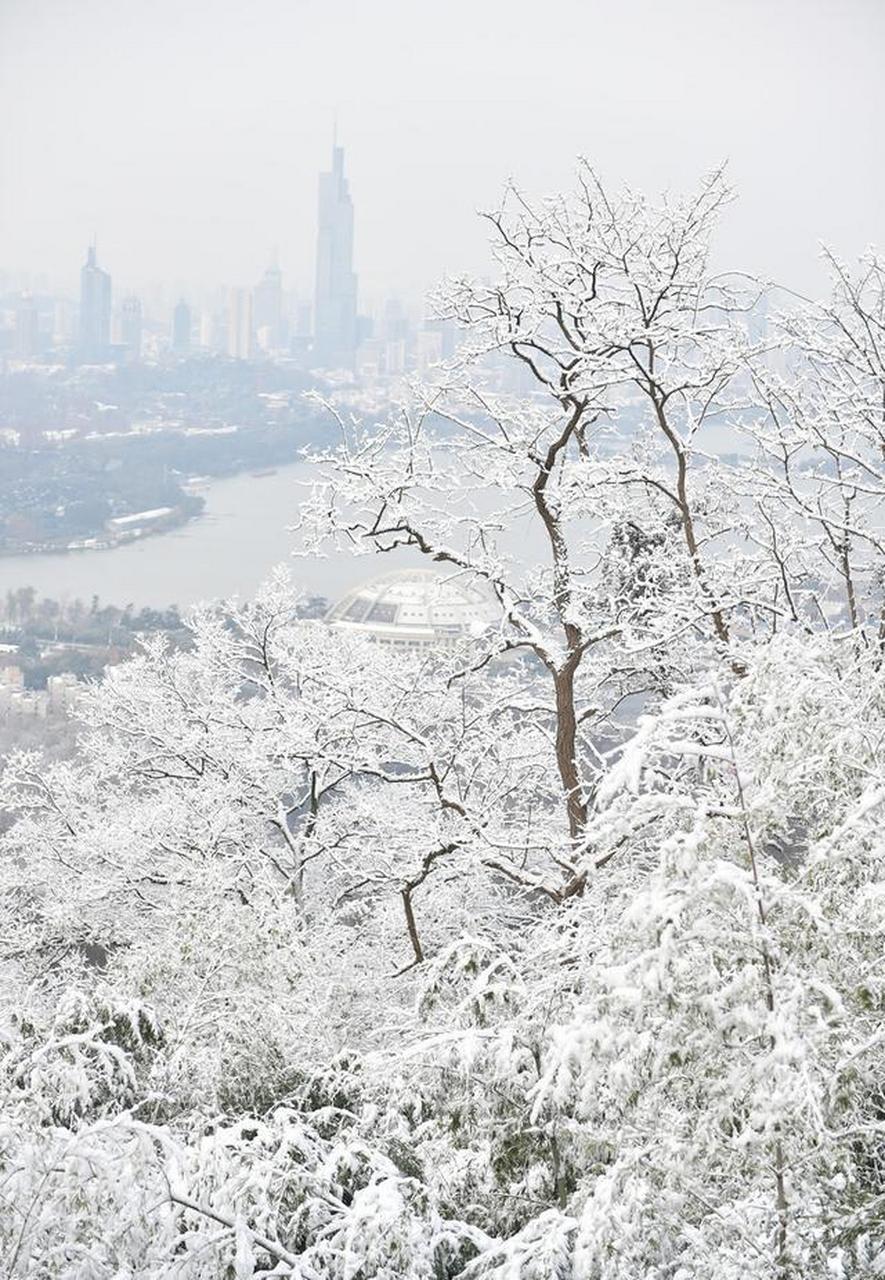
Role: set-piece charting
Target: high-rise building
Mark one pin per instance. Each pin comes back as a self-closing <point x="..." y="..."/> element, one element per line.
<point x="267" y="306"/>
<point x="395" y="323"/>
<point x="335" y="333"/>
<point x="130" y="326"/>
<point x="95" y="309"/>
<point x="239" y="324"/>
<point x="300" y="328"/>
<point x="447" y="336"/>
<point x="181" y="328"/>
<point x="208" y="331"/>
<point x="27" y="327"/>
<point x="64" y="321"/>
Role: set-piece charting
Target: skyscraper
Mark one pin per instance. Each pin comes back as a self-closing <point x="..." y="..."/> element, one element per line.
<point x="95" y="309"/>
<point x="27" y="327"/>
<point x="181" y="328"/>
<point x="64" y="322"/>
<point x="335" y="332"/>
<point x="209" y="327"/>
<point x="268" y="308"/>
<point x="239" y="324"/>
<point x="130" y="326"/>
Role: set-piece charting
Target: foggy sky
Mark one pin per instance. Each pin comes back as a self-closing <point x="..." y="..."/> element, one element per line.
<point x="187" y="134"/>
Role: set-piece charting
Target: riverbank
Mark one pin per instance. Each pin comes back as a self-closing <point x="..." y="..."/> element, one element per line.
<point x="129" y="528"/>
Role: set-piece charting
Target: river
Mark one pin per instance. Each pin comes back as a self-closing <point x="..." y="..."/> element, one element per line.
<point x="244" y="531"/>
<point x="228" y="550"/>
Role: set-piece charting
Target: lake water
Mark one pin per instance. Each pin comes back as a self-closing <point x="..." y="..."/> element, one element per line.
<point x="229" y="550"/>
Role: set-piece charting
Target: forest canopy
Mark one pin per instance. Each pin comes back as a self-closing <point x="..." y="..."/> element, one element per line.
<point x="555" y="951"/>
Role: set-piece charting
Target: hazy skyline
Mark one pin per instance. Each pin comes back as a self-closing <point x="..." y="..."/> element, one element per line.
<point x="189" y="137"/>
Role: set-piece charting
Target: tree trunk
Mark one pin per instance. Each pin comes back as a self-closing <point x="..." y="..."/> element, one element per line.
<point x="566" y="743"/>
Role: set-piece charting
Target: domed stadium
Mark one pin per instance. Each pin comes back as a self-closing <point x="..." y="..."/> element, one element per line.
<point x="413" y="609"/>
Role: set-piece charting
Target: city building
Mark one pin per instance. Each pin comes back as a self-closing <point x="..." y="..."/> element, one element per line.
<point x="181" y="329"/>
<point x="139" y="522"/>
<point x="267" y="308"/>
<point x="447" y="336"/>
<point x="95" y="309"/>
<point x="395" y="325"/>
<point x="11" y="675"/>
<point x="27" y="327"/>
<point x="396" y="357"/>
<point x="371" y="358"/>
<point x="239" y="324"/>
<point x="57" y="699"/>
<point x="428" y="349"/>
<point x="62" y="692"/>
<point x="300" y="330"/>
<point x="209" y="331"/>
<point x="335" y="319"/>
<point x="131" y="326"/>
<point x="413" y="609"/>
<point x="64" y="322"/>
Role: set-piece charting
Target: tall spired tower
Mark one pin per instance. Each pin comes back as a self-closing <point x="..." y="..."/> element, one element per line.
<point x="335" y="332"/>
<point x="95" y="309"/>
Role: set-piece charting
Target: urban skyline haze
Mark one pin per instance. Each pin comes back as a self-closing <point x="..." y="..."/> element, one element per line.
<point x="191" y="135"/>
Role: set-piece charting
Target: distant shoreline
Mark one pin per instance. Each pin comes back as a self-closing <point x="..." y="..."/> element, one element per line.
<point x="104" y="542"/>
<point x="111" y="542"/>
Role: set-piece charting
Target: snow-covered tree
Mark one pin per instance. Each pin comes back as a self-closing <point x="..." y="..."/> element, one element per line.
<point x="555" y="952"/>
<point x="822" y="441"/>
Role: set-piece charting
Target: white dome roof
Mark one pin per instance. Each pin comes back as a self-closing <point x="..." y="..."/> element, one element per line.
<point x="413" y="607"/>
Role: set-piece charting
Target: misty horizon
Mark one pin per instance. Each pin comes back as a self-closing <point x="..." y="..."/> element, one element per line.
<point x="188" y="143"/>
